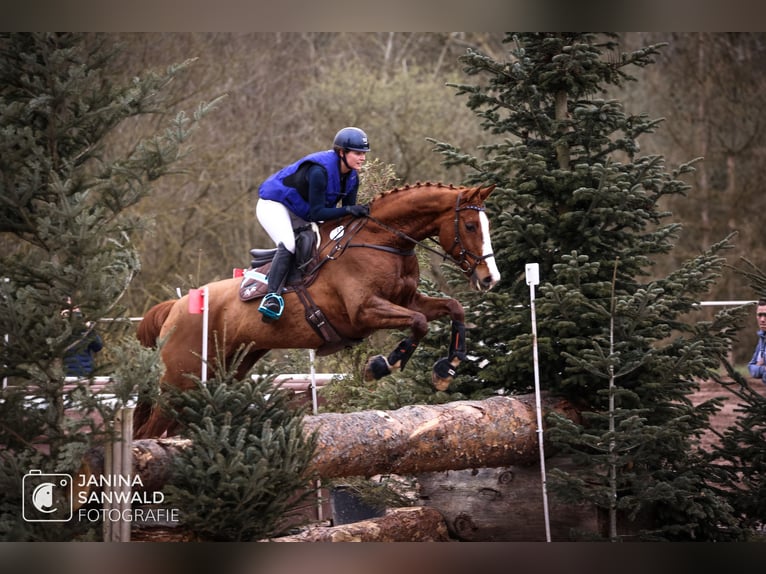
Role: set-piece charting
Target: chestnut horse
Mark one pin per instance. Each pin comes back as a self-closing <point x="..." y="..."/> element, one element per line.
<point x="366" y="279"/>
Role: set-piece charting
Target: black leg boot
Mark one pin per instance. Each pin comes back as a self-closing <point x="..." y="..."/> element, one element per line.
<point x="272" y="304"/>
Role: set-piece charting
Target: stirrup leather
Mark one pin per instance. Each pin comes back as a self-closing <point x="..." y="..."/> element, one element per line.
<point x="271" y="314"/>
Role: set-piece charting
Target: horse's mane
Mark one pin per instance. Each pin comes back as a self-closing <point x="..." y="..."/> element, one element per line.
<point x="416" y="185"/>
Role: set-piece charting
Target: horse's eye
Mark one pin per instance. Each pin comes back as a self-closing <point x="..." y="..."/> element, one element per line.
<point x="471" y="227"/>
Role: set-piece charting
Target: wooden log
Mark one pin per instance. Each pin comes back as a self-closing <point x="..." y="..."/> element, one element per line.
<point x="504" y="504"/>
<point x="411" y="524"/>
<point x="497" y="431"/>
<point x="494" y="432"/>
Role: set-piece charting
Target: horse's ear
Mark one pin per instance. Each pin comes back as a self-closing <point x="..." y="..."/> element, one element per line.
<point x="484" y="193"/>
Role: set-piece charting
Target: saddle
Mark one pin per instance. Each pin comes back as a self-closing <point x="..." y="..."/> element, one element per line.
<point x="302" y="275"/>
<point x="253" y="284"/>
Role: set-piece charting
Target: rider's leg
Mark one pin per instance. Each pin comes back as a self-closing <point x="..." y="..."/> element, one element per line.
<point x="273" y="304"/>
<point x="276" y="220"/>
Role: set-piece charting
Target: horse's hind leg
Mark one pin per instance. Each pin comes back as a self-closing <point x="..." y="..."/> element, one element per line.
<point x="141" y="414"/>
<point x="156" y="425"/>
<point x="249" y="361"/>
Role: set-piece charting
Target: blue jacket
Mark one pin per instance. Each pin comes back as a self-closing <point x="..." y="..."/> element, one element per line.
<point x="759" y="371"/>
<point x="78" y="361"/>
<point x="289" y="186"/>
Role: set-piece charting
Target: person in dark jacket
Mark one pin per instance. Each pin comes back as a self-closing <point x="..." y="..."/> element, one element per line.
<point x="78" y="358"/>
<point x="305" y="191"/>
<point x="757" y="365"/>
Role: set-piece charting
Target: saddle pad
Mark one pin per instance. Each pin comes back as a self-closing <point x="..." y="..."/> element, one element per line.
<point x="254" y="284"/>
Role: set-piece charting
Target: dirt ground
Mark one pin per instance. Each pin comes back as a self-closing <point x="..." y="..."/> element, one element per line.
<point x="728" y="414"/>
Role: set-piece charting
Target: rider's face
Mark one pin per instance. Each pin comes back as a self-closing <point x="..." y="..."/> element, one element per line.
<point x="354" y="159"/>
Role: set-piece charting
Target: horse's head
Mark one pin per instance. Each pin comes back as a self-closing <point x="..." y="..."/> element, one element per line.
<point x="466" y="238"/>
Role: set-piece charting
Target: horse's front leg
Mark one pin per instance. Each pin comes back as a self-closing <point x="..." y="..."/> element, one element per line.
<point x="382" y="314"/>
<point x="427" y="308"/>
<point x="445" y="368"/>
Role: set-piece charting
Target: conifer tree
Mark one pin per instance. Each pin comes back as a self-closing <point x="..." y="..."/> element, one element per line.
<point x="739" y="459"/>
<point x="246" y="472"/>
<point x="576" y="196"/>
<point x="65" y="231"/>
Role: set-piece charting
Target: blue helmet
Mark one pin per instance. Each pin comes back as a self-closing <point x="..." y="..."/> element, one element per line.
<point x="351" y="138"/>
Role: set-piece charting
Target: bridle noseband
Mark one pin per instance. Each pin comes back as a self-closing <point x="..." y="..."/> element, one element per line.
<point x="464" y="253"/>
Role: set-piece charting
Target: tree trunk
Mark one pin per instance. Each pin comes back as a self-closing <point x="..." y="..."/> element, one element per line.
<point x="415" y="524"/>
<point x="494" y="432"/>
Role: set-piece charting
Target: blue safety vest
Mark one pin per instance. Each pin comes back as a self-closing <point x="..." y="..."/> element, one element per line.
<point x="292" y="192"/>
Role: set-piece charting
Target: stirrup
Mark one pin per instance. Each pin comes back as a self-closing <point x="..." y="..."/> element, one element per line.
<point x="271" y="314"/>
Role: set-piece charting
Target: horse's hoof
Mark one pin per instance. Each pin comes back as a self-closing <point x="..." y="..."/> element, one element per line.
<point x="442" y="375"/>
<point x="376" y="368"/>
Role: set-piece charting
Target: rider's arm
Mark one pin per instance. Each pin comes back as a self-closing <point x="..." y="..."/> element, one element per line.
<point x="350" y="197"/>
<point x="317" y="178"/>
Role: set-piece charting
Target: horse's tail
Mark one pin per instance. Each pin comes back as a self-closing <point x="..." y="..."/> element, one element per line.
<point x="147" y="333"/>
<point x="149" y="328"/>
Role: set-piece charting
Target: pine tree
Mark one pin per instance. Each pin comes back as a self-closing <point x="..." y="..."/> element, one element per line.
<point x="575" y="196"/>
<point x="246" y="472"/>
<point x="65" y="231"/>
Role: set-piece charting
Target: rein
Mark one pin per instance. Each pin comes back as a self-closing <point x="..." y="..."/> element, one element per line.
<point x="358" y="224"/>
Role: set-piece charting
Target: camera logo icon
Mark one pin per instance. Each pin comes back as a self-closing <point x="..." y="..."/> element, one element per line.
<point x="46" y="497"/>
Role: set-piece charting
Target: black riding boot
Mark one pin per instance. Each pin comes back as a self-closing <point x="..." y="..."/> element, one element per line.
<point x="272" y="304"/>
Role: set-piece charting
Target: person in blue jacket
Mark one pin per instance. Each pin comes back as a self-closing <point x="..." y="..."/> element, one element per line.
<point x="305" y="191"/>
<point x="78" y="358"/>
<point x="757" y="365"/>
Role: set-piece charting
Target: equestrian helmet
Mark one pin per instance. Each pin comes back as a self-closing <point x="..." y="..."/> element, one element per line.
<point x="352" y="139"/>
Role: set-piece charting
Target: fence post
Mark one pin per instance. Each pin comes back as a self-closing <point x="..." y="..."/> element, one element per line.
<point x="118" y="466"/>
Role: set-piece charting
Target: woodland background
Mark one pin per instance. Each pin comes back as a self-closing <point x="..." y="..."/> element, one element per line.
<point x="286" y="94"/>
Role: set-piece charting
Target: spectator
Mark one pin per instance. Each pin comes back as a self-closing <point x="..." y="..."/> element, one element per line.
<point x="757" y="365"/>
<point x="78" y="358"/>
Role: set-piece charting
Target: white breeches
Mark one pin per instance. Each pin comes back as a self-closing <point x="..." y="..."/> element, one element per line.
<point x="279" y="222"/>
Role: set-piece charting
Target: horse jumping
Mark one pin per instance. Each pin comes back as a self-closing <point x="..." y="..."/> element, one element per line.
<point x="366" y="280"/>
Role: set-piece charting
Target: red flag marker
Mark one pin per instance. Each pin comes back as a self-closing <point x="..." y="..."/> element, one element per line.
<point x="196" y="301"/>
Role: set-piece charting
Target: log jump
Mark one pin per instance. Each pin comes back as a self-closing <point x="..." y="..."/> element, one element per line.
<point x="494" y="432"/>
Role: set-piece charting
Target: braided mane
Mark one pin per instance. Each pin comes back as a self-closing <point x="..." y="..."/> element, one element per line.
<point x="416" y="185"/>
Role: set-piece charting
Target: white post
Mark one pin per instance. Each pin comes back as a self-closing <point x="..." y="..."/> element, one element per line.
<point x="315" y="410"/>
<point x="5" y="379"/>
<point x="312" y="370"/>
<point x="533" y="278"/>
<point x="205" y="314"/>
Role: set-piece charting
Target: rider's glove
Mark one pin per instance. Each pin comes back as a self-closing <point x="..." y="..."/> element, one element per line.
<point x="358" y="210"/>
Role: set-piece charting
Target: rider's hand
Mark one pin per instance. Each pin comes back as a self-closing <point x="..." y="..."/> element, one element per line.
<point x="358" y="210"/>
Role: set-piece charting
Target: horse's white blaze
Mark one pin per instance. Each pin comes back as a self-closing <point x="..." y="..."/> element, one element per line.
<point x="494" y="272"/>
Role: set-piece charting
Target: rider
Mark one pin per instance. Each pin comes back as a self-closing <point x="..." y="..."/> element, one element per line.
<point x="308" y="190"/>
